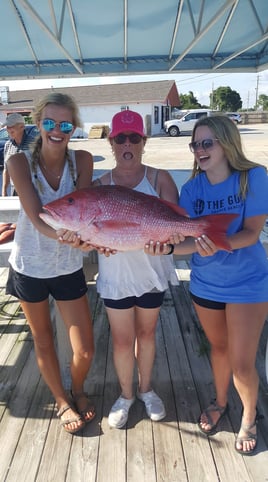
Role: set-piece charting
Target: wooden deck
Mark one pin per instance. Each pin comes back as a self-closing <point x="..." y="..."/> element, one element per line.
<point x="35" y="448"/>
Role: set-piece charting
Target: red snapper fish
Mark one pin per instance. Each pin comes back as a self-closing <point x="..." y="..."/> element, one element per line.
<point x="7" y="232"/>
<point x="120" y="218"/>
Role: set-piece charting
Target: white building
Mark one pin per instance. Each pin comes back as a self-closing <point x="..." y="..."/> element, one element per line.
<point x="97" y="104"/>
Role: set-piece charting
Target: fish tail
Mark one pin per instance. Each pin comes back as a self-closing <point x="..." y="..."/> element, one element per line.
<point x="216" y="228"/>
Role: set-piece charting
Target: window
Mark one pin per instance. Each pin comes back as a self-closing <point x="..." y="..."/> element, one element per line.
<point x="156" y="114"/>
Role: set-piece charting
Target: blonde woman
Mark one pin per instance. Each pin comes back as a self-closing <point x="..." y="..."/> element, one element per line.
<point x="40" y="266"/>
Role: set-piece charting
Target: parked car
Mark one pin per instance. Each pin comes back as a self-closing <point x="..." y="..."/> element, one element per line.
<point x="31" y="129"/>
<point x="186" y="123"/>
<point x="235" y="116"/>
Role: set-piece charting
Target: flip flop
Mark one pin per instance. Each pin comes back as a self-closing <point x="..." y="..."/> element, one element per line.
<point x="88" y="413"/>
<point x="212" y="408"/>
<point x="65" y="422"/>
<point x="247" y="438"/>
<point x="249" y="435"/>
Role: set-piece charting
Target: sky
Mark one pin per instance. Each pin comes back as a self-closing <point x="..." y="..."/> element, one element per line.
<point x="248" y="85"/>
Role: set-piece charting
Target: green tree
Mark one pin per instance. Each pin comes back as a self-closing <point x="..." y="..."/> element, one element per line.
<point x="189" y="101"/>
<point x="263" y="102"/>
<point x="225" y="99"/>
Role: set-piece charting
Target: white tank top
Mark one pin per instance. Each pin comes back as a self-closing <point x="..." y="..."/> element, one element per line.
<point x="34" y="254"/>
<point x="134" y="273"/>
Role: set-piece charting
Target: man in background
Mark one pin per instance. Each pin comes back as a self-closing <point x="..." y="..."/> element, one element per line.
<point x="19" y="141"/>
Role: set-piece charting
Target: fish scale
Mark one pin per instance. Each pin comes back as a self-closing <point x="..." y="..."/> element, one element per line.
<point x="120" y="218"/>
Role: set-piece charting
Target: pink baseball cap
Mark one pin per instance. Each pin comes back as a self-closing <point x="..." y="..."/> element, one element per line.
<point x="127" y="120"/>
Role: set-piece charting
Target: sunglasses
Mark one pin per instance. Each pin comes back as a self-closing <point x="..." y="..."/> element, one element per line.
<point x="50" y="124"/>
<point x="205" y="144"/>
<point x="133" y="138"/>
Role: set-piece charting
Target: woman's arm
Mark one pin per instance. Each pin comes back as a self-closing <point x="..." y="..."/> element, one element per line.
<point x="249" y="234"/>
<point x="166" y="187"/>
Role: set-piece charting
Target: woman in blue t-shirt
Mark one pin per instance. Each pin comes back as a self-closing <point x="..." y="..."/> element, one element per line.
<point x="229" y="289"/>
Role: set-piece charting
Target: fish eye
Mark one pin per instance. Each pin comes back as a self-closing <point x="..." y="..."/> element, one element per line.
<point x="70" y="200"/>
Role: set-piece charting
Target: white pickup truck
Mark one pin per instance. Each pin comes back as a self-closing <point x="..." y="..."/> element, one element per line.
<point x="186" y="123"/>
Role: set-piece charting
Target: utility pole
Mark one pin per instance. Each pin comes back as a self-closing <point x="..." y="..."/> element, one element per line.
<point x="212" y="97"/>
<point x="257" y="92"/>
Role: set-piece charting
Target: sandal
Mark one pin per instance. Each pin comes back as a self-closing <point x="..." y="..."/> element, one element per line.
<point x="249" y="437"/>
<point x="87" y="413"/>
<point x="212" y="408"/>
<point x="67" y="421"/>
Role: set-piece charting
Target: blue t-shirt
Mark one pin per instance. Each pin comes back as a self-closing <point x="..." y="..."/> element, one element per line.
<point x="240" y="276"/>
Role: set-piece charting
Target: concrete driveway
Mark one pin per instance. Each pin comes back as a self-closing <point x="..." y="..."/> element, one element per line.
<point x="173" y="153"/>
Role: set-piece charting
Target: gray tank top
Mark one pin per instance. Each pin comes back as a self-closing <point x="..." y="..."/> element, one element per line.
<point x="34" y="254"/>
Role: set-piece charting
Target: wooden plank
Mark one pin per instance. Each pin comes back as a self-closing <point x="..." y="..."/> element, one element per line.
<point x="157" y="454"/>
<point x="226" y="459"/>
<point x="10" y="333"/>
<point x="112" y="448"/>
<point x="194" y="448"/>
<point x="83" y="460"/>
<point x="13" y="419"/>
<point x="31" y="440"/>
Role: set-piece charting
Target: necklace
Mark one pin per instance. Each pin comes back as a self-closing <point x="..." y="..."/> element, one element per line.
<point x="57" y="176"/>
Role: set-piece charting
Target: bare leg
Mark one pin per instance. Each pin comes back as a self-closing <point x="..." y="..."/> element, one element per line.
<point x="245" y="324"/>
<point x="38" y="317"/>
<point x="123" y="334"/>
<point x="145" y="323"/>
<point x="77" y="319"/>
<point x="214" y="325"/>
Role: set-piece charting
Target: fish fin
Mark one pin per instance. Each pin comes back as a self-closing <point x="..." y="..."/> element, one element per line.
<point x="216" y="228"/>
<point x="179" y="210"/>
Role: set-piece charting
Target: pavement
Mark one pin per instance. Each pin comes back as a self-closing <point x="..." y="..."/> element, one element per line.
<point x="173" y="153"/>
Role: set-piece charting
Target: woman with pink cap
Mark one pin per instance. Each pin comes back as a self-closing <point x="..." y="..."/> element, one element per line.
<point x="132" y="284"/>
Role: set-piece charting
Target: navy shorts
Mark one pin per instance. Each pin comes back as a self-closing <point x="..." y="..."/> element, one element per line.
<point x="212" y="305"/>
<point x="66" y="287"/>
<point x="148" y="300"/>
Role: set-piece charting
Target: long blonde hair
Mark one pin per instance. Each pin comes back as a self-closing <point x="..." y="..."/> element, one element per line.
<point x="63" y="100"/>
<point x="229" y="138"/>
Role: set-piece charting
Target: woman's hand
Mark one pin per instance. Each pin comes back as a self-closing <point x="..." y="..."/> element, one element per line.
<point x="74" y="240"/>
<point x="105" y="251"/>
<point x="68" y="237"/>
<point x="204" y="246"/>
<point x="176" y="238"/>
<point x="156" y="249"/>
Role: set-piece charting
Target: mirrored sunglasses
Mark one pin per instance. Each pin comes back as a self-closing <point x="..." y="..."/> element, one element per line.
<point x="50" y="124"/>
<point x="205" y="144"/>
<point x="133" y="138"/>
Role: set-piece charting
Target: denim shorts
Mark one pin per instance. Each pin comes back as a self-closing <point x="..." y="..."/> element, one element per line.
<point x="148" y="300"/>
<point x="212" y="305"/>
<point x="34" y="290"/>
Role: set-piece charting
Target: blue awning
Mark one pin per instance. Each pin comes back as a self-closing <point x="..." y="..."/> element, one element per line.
<point x="68" y="38"/>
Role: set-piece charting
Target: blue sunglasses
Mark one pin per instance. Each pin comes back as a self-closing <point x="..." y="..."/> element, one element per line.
<point x="50" y="124"/>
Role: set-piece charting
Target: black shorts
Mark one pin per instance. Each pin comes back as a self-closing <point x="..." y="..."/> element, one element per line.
<point x="66" y="287"/>
<point x="148" y="300"/>
<point x="212" y="305"/>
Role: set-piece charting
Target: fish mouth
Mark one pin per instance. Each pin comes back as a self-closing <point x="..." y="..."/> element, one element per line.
<point x="51" y="218"/>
